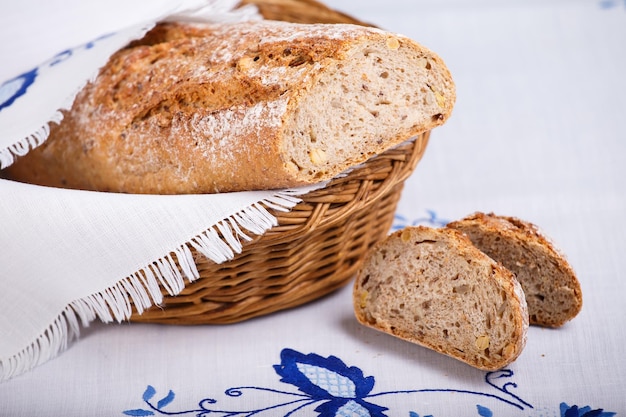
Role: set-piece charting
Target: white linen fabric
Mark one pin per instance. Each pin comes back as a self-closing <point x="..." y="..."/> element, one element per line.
<point x="70" y="256"/>
<point x="538" y="133"/>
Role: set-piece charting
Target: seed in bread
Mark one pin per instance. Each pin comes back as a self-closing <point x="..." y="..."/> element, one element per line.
<point x="242" y="106"/>
<point x="434" y="288"/>
<point x="552" y="290"/>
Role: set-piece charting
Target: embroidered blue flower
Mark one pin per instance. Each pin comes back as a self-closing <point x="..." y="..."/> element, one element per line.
<point x="575" y="411"/>
<point x="341" y="388"/>
<point x="337" y="390"/>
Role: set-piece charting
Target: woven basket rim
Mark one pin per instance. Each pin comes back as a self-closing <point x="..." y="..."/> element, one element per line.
<point x="301" y="11"/>
<point x="364" y="172"/>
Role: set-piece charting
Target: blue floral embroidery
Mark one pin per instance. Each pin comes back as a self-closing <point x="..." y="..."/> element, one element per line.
<point x="338" y="390"/>
<point x="609" y="4"/>
<point x="483" y="411"/>
<point x="14" y="88"/>
<point x="429" y="219"/>
<point x="574" y="411"/>
<point x="330" y="381"/>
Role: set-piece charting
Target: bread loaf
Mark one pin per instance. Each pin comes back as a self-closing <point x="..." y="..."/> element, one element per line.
<point x="552" y="290"/>
<point x="434" y="288"/>
<point x="242" y="106"/>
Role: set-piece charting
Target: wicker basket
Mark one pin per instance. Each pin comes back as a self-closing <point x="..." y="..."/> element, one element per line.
<point x="317" y="246"/>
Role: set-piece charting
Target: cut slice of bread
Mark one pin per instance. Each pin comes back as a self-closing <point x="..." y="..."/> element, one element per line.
<point x="552" y="290"/>
<point x="433" y="287"/>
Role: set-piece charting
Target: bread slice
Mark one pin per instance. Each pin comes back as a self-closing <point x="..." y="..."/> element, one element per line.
<point x="242" y="106"/>
<point x="552" y="290"/>
<point x="434" y="288"/>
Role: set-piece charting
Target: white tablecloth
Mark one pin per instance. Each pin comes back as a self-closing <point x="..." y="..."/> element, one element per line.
<point x="538" y="132"/>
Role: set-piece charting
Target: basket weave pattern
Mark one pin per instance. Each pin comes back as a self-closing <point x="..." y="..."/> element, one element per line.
<point x="316" y="248"/>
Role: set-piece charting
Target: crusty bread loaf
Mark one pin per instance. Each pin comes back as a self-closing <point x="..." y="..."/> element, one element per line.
<point x="434" y="288"/>
<point x="552" y="290"/>
<point x="242" y="106"/>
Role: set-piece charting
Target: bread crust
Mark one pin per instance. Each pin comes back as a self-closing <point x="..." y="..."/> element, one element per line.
<point x="202" y="109"/>
<point x="552" y="289"/>
<point x="434" y="288"/>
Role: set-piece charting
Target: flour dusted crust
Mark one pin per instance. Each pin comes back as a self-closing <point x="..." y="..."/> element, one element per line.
<point x="242" y="106"/>
<point x="552" y="289"/>
<point x="434" y="288"/>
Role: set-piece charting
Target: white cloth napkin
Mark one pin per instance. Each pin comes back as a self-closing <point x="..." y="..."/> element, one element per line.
<point x="70" y="256"/>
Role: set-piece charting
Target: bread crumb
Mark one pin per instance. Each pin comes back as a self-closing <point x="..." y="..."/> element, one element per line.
<point x="362" y="299"/>
<point x="318" y="156"/>
<point x="245" y="63"/>
<point x="508" y="350"/>
<point x="482" y="342"/>
<point x="393" y="43"/>
<point x="441" y="101"/>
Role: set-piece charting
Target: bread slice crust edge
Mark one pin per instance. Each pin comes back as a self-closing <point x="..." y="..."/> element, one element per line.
<point x="453" y="299"/>
<point x="552" y="289"/>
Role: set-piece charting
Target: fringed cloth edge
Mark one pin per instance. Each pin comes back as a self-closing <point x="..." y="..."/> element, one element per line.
<point x="142" y="289"/>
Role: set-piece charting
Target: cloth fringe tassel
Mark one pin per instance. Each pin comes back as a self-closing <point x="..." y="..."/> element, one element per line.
<point x="142" y="289"/>
<point x="21" y="148"/>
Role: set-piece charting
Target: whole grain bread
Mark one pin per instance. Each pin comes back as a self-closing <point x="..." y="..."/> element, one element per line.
<point x="434" y="288"/>
<point x="552" y="290"/>
<point x="242" y="106"/>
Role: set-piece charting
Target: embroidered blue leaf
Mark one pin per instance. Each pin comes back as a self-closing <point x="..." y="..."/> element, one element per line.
<point x="166" y="400"/>
<point x="333" y="383"/>
<point x="148" y="393"/>
<point x="138" y="412"/>
<point x="323" y="378"/>
<point x="352" y="408"/>
<point x="349" y="408"/>
<point x="414" y="414"/>
<point x="575" y="411"/>
<point x="484" y="411"/>
<point x="12" y="89"/>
